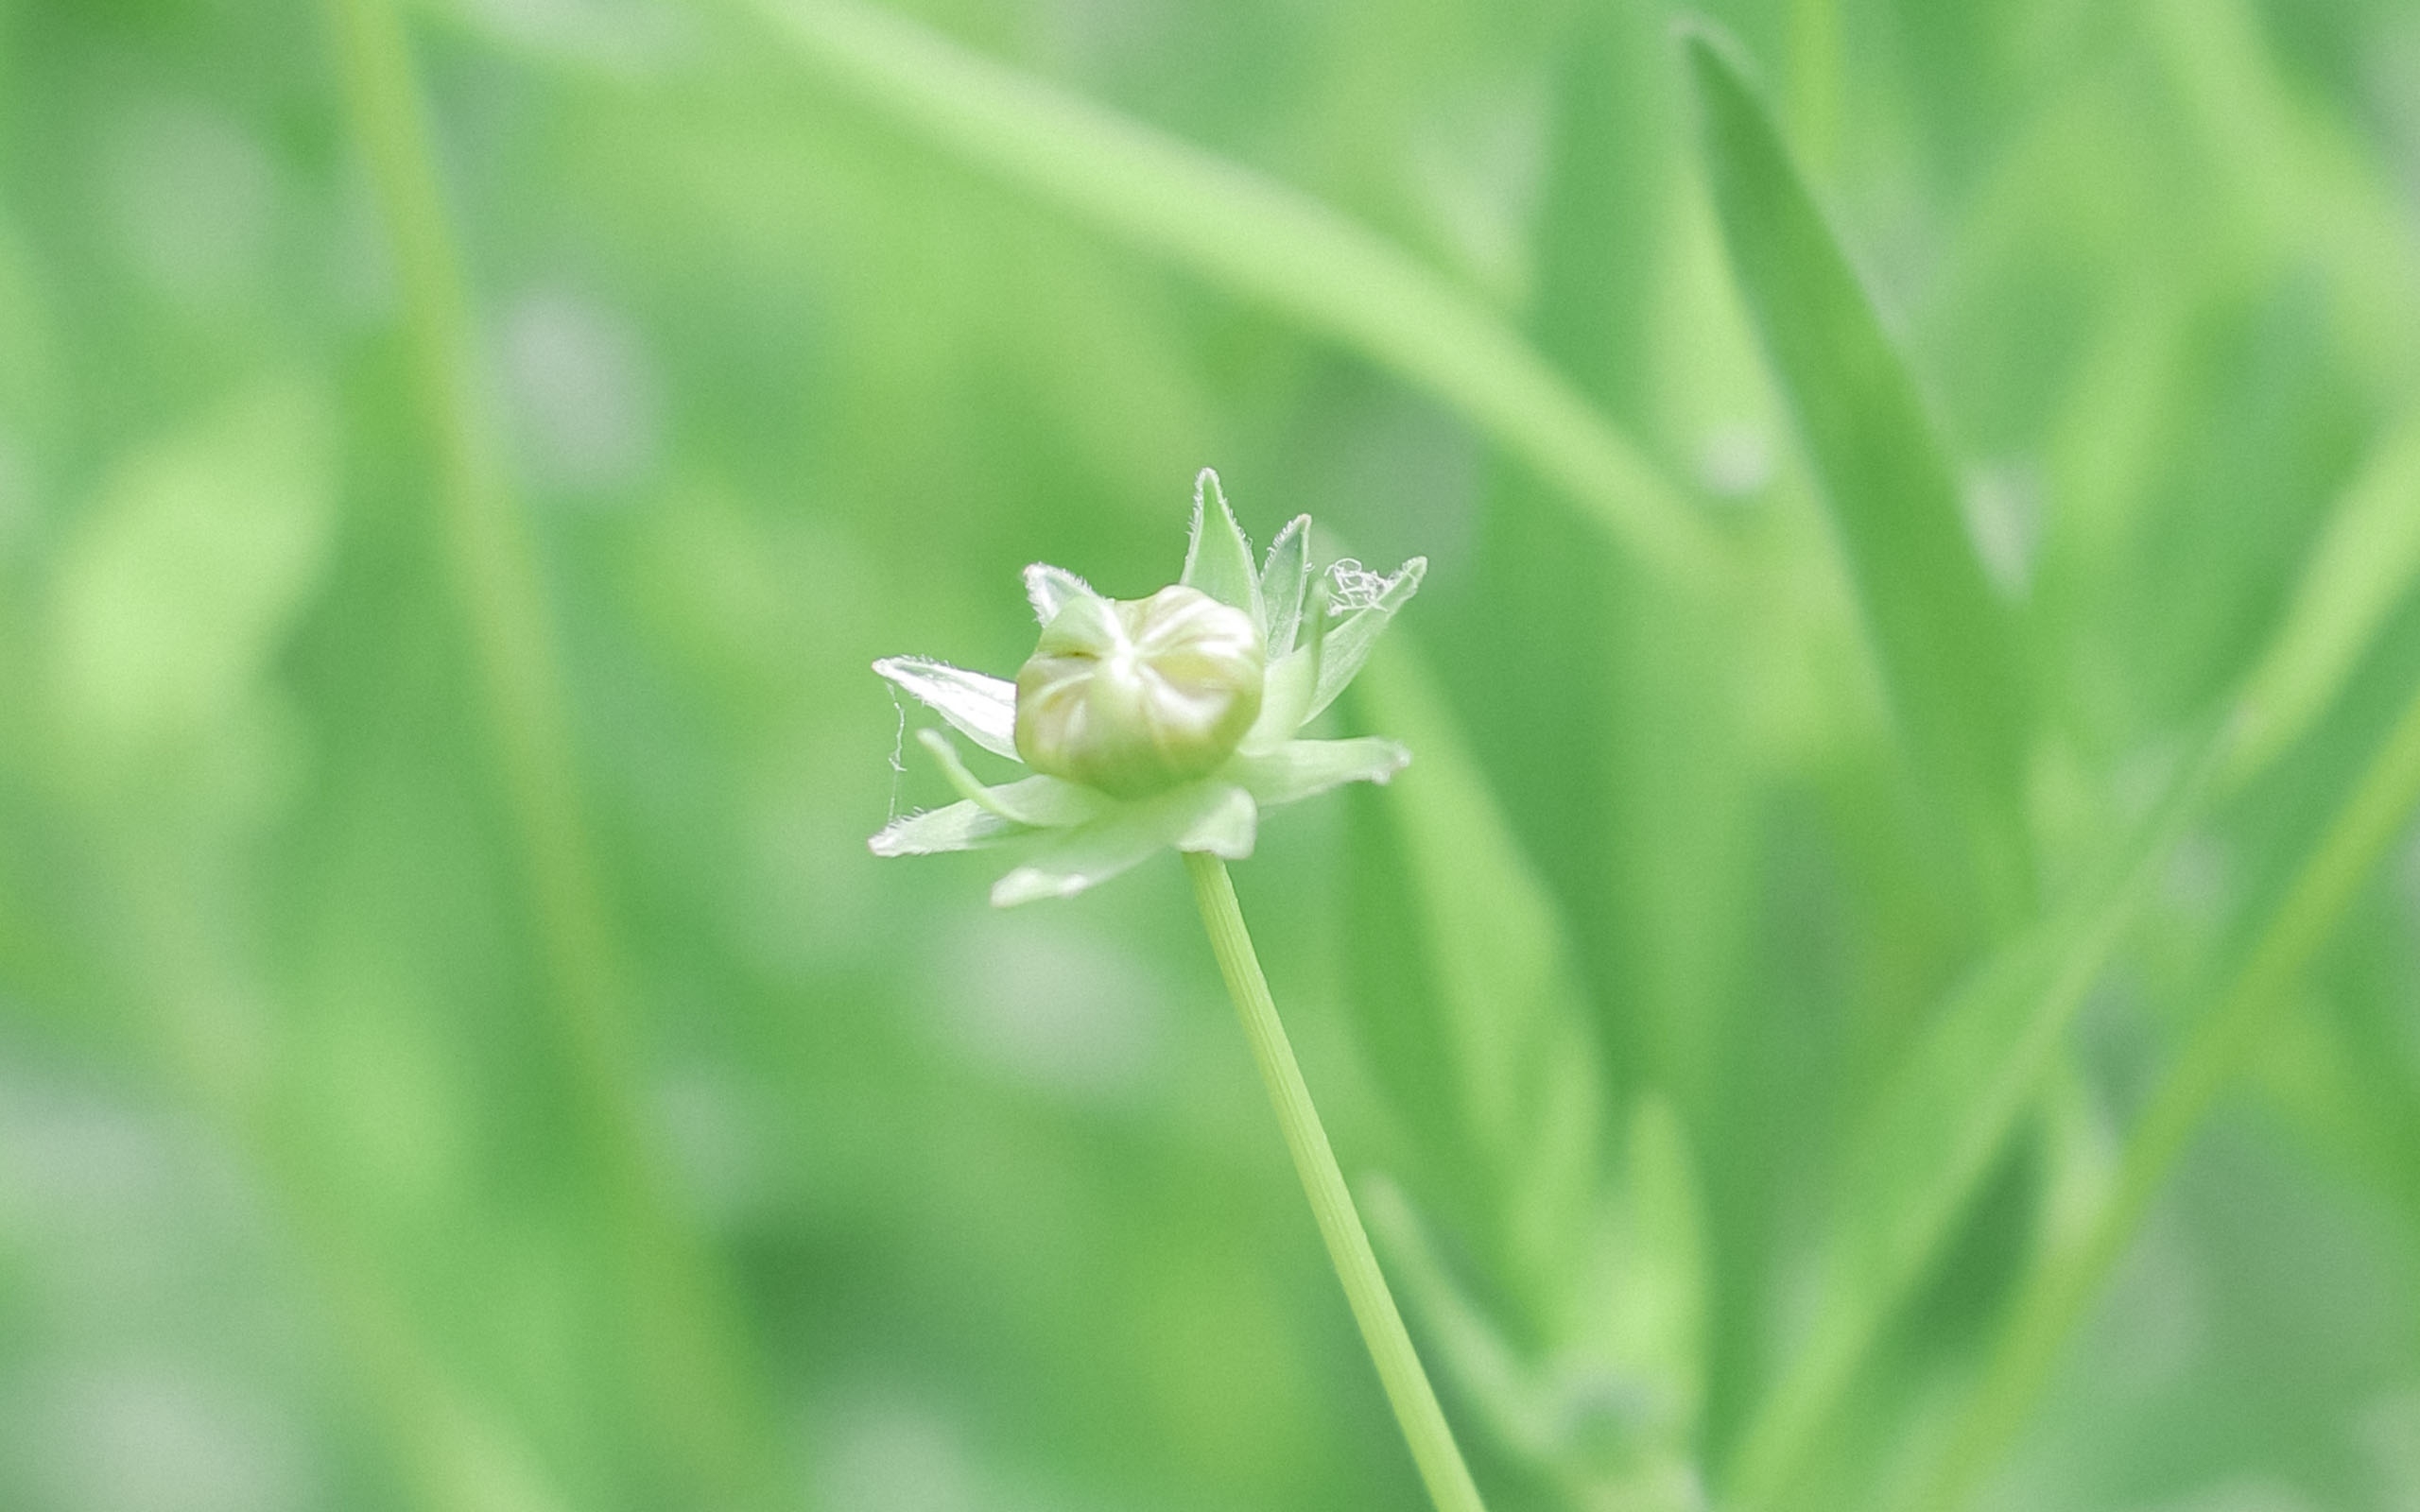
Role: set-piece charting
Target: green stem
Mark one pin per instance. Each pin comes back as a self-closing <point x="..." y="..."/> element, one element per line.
<point x="691" y="1354"/>
<point x="1348" y="1246"/>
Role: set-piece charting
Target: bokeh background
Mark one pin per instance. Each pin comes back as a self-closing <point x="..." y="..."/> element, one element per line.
<point x="457" y="459"/>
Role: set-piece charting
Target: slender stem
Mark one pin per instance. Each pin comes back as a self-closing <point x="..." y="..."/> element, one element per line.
<point x="1348" y="1246"/>
<point x="692" y="1357"/>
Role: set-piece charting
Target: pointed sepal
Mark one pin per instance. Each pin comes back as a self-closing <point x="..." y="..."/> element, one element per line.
<point x="1301" y="768"/>
<point x="1217" y="558"/>
<point x="984" y="709"/>
<point x="1048" y="590"/>
<point x="958" y="827"/>
<point x="1369" y="602"/>
<point x="1285" y="579"/>
<point x="1035" y="803"/>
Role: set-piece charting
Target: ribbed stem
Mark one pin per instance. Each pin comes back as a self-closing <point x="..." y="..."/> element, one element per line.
<point x="1348" y="1246"/>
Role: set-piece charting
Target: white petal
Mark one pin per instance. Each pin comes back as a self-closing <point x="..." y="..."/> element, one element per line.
<point x="1217" y="560"/>
<point x="1227" y="829"/>
<point x="1352" y="638"/>
<point x="1048" y="589"/>
<point x="984" y="708"/>
<point x="958" y="827"/>
<point x="1037" y="802"/>
<point x="1284" y="580"/>
<point x="1302" y="767"/>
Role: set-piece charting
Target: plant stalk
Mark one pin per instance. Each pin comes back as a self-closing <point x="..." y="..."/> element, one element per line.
<point x="1373" y="1305"/>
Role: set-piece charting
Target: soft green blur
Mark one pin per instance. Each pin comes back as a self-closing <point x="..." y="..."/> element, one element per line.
<point x="1892" y="980"/>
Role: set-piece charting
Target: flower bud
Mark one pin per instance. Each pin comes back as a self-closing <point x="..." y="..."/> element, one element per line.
<point x="1136" y="696"/>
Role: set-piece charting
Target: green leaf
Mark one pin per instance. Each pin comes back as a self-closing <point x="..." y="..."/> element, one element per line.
<point x="1947" y="1117"/>
<point x="2365" y="561"/>
<point x="1515" y="1040"/>
<point x="1943" y="642"/>
<point x="2339" y="860"/>
<point x="1942" y="1124"/>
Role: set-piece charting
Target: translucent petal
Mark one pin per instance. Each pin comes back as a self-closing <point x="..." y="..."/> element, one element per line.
<point x="1226" y="829"/>
<point x="1037" y="802"/>
<point x="1048" y="589"/>
<point x="984" y="708"/>
<point x="1299" y="768"/>
<point x="1217" y="560"/>
<point x="958" y="827"/>
<point x="1283" y="582"/>
<point x="1352" y="636"/>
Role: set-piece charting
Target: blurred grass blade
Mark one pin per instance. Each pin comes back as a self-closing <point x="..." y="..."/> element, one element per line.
<point x="1219" y="559"/>
<point x="2055" y="1299"/>
<point x="1263" y="242"/>
<point x="1942" y="1127"/>
<point x="2364" y="562"/>
<point x="1956" y="1104"/>
<point x="169" y="604"/>
<point x="1657" y="1317"/>
<point x="1470" y="1349"/>
<point x="1530" y="1089"/>
<point x="2302" y="178"/>
<point x="692" y="1364"/>
<point x="1942" y="640"/>
<point x="1616" y="1291"/>
<point x="177" y="588"/>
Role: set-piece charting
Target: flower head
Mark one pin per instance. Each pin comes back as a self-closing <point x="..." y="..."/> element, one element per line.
<point x="1162" y="722"/>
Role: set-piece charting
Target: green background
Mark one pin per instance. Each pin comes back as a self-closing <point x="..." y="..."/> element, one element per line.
<point x="1894" y="980"/>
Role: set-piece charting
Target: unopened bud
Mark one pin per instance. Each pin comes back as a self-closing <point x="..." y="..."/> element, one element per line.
<point x="1136" y="696"/>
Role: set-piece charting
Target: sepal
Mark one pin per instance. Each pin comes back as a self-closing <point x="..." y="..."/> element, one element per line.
<point x="1048" y="590"/>
<point x="1303" y="769"/>
<point x="958" y="827"/>
<point x="1217" y="558"/>
<point x="984" y="709"/>
<point x="1284" y="581"/>
<point x="1036" y="802"/>
<point x="1356" y="632"/>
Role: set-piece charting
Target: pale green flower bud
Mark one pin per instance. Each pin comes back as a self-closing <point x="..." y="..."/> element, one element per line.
<point x="1134" y="696"/>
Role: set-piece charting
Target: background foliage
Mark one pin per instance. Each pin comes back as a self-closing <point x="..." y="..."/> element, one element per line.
<point x="1890" y="982"/>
